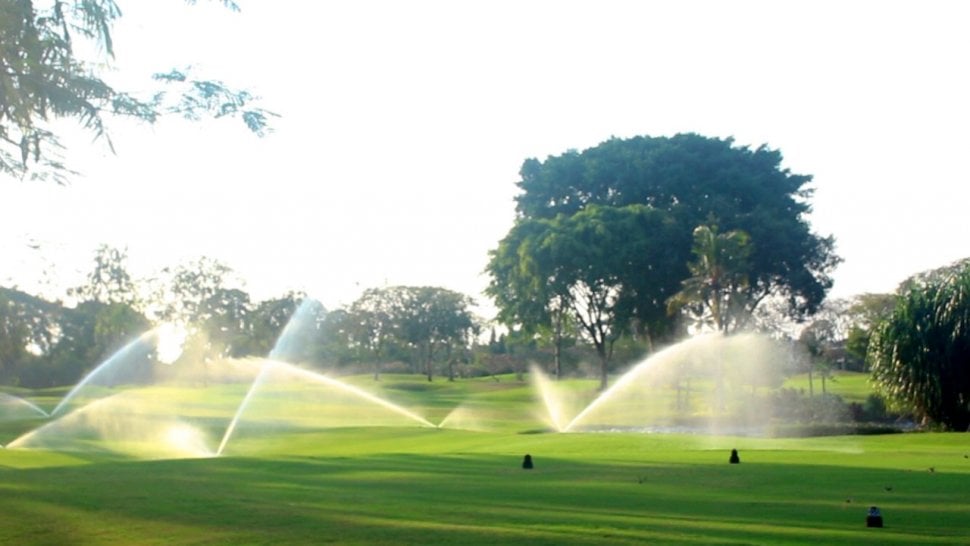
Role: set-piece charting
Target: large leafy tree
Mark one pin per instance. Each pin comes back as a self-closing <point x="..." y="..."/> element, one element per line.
<point x="920" y="355"/>
<point x="694" y="180"/>
<point x="26" y="322"/>
<point x="584" y="269"/>
<point x="435" y="322"/>
<point x="370" y="326"/>
<point x="865" y="312"/>
<point x="61" y="343"/>
<point x="193" y="292"/>
<point x="431" y="322"/>
<point x="89" y="333"/>
<point x="229" y="322"/>
<point x="109" y="280"/>
<point x="52" y="58"/>
<point x="269" y="318"/>
<point x="106" y="317"/>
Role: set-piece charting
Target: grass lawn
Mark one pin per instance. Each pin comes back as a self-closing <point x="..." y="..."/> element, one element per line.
<point x="409" y="484"/>
<point x="851" y="386"/>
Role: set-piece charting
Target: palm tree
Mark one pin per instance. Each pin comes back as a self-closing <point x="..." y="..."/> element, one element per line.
<point x="716" y="291"/>
<point x="919" y="355"/>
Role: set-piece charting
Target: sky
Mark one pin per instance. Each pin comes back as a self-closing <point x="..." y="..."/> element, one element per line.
<point x="403" y="126"/>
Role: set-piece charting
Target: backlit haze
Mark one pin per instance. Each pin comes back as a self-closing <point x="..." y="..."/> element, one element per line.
<point x="403" y="126"/>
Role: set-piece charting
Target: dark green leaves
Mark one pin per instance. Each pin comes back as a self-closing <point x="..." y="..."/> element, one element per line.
<point x="686" y="180"/>
<point x="920" y="355"/>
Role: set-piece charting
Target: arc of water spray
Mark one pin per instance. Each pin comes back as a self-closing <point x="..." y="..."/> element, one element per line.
<point x="319" y="378"/>
<point x="636" y="373"/>
<point x="116" y="357"/>
<point x="551" y="402"/>
<point x="282" y="345"/>
<point x="25" y="402"/>
<point x="605" y="395"/>
<point x="359" y="392"/>
<point x="242" y="405"/>
<point x="303" y="317"/>
<point x="625" y="380"/>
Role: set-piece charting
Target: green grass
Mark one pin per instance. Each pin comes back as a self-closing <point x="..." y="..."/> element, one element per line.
<point x="851" y="386"/>
<point x="417" y="485"/>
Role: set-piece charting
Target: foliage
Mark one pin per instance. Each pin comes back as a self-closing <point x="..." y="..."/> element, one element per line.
<point x="584" y="268"/>
<point x="47" y="75"/>
<point x="269" y="318"/>
<point x="613" y="227"/>
<point x="83" y="336"/>
<point x="109" y="281"/>
<point x="793" y="406"/>
<point x="867" y="311"/>
<point x="716" y="292"/>
<point x="193" y="293"/>
<point x="696" y="181"/>
<point x="369" y="326"/>
<point x="44" y="343"/>
<point x="432" y="320"/>
<point x="228" y="322"/>
<point x="25" y="322"/>
<point x="873" y="409"/>
<point x="933" y="276"/>
<point x="920" y="355"/>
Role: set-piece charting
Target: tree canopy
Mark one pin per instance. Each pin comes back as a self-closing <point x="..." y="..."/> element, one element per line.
<point x="589" y="265"/>
<point x="52" y="62"/>
<point x="678" y="183"/>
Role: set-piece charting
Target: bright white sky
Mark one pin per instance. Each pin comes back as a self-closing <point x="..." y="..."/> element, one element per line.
<point x="404" y="125"/>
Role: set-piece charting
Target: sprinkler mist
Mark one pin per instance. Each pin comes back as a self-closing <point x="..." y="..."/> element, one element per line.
<point x="11" y="404"/>
<point x="151" y="400"/>
<point x="289" y="385"/>
<point x="242" y="407"/>
<point x="148" y="401"/>
<point x="702" y="384"/>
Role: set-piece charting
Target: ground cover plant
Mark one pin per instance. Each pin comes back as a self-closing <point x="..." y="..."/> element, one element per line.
<point x="412" y="484"/>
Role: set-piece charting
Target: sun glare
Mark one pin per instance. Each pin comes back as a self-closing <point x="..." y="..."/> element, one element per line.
<point x="171" y="338"/>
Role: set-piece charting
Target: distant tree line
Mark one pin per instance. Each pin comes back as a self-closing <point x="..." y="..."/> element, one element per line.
<point x="50" y="343"/>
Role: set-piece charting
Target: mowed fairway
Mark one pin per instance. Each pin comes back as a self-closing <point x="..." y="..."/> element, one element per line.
<point x="418" y="485"/>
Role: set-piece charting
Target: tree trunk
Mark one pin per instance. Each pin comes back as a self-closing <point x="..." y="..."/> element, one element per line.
<point x="604" y="372"/>
<point x="557" y="346"/>
<point x="557" y="357"/>
<point x="429" y="357"/>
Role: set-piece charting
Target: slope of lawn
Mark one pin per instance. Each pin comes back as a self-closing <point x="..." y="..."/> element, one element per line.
<point x="413" y="484"/>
